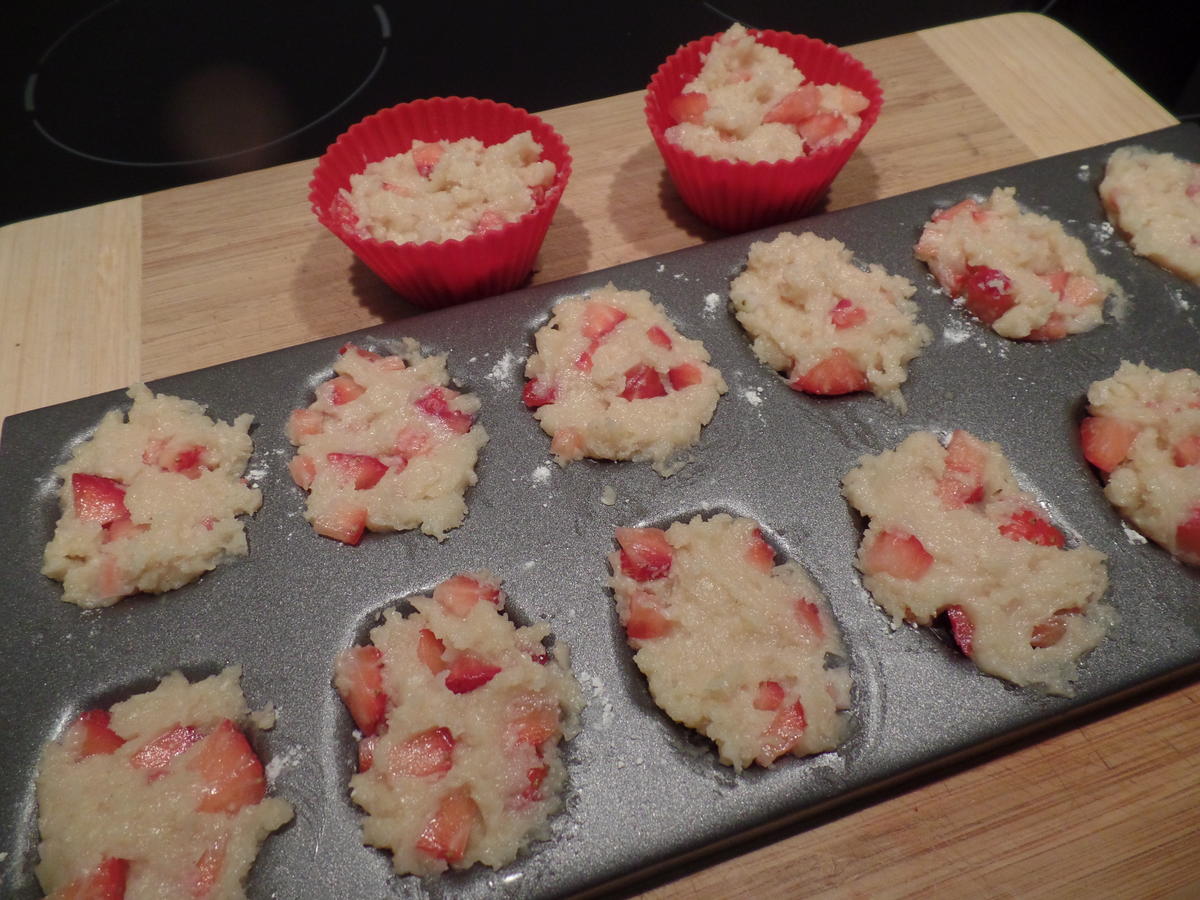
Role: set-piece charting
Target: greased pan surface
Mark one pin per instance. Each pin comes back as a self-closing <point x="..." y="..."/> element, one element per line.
<point x="642" y="790"/>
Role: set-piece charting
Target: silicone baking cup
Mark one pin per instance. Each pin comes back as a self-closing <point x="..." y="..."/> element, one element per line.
<point x="438" y="274"/>
<point x="738" y="196"/>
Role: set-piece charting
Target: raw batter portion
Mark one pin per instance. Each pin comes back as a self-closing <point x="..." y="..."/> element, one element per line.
<point x="1143" y="433"/>
<point x="612" y="378"/>
<point x="830" y="326"/>
<point x="386" y="445"/>
<point x="151" y="503"/>
<point x="159" y="796"/>
<point x="952" y="534"/>
<point x="1018" y="272"/>
<point x="750" y="103"/>
<point x="459" y="715"/>
<point x="732" y="644"/>
<point x="1154" y="198"/>
<point x="449" y="190"/>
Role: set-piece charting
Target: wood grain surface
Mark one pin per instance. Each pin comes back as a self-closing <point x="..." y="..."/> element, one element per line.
<point x="141" y="288"/>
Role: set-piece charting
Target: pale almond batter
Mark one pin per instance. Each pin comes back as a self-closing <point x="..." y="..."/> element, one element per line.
<point x="460" y="716"/>
<point x="151" y="503"/>
<point x="731" y="643"/>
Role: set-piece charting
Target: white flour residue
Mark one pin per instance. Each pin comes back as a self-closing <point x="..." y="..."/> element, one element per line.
<point x="1084" y="173"/>
<point x="541" y="475"/>
<point x="660" y="268"/>
<point x="680" y="276"/>
<point x="753" y="396"/>
<point x="1180" y="299"/>
<point x="608" y="496"/>
<point x="594" y="688"/>
<point x="956" y="333"/>
<point x="288" y="759"/>
<point x="502" y="371"/>
<point x="256" y="475"/>
<point x="1134" y="537"/>
<point x="711" y="303"/>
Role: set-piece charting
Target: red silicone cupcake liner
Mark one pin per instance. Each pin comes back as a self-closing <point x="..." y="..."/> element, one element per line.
<point x="437" y="274"/>
<point x="738" y="196"/>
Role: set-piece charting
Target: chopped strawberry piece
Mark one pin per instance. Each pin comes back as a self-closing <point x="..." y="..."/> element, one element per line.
<point x="1082" y="291"/>
<point x="658" y="337"/>
<point x="759" y="553"/>
<point x="769" y="696"/>
<point x="821" y="128"/>
<point x="846" y="315"/>
<point x="1053" y="329"/>
<point x="447" y="833"/>
<point x="124" y="528"/>
<point x="1187" y="535"/>
<point x="188" y="461"/>
<point x="358" y="677"/>
<point x="1048" y="633"/>
<point x="341" y="390"/>
<point x="156" y="756"/>
<point x="961" y="627"/>
<point x="343" y="523"/>
<point x="435" y="402"/>
<point x="583" y="362"/>
<point x="964" y="206"/>
<point x="105" y="882"/>
<point x="689" y="107"/>
<point x="540" y="658"/>
<point x="458" y="595"/>
<point x="1027" y="525"/>
<point x="897" y="554"/>
<point x="303" y="470"/>
<point x="784" y="733"/>
<point x="961" y="483"/>
<point x="208" y="868"/>
<point x="810" y="617"/>
<point x="391" y="363"/>
<point x="567" y="443"/>
<point x="428" y="753"/>
<point x="111" y="581"/>
<point x="304" y="422"/>
<point x="646" y="554"/>
<point x="643" y="383"/>
<point x="532" y="793"/>
<point x="430" y="650"/>
<point x="534" y="721"/>
<point x="793" y="109"/>
<point x="425" y="157"/>
<point x="98" y="499"/>
<point x="1056" y="281"/>
<point x="646" y="620"/>
<point x="411" y="441"/>
<point x="489" y="220"/>
<point x="366" y="752"/>
<point x="837" y="373"/>
<point x="369" y="355"/>
<point x="851" y="101"/>
<point x="468" y="673"/>
<point x="1186" y="451"/>
<point x="684" y="375"/>
<point x="1106" y="441"/>
<point x="357" y="469"/>
<point x="95" y="737"/>
<point x="537" y="393"/>
<point x="599" y="319"/>
<point x="988" y="293"/>
<point x="231" y="771"/>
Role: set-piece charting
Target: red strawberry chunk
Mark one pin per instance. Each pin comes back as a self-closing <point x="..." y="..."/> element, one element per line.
<point x="429" y="651"/>
<point x="643" y="383"/>
<point x="534" y="721"/>
<point x="646" y="554"/>
<point x="1027" y="525"/>
<point x="961" y="627"/>
<point x="358" y="677"/>
<point x="759" y="553"/>
<point x="425" y="157"/>
<point x="1186" y="452"/>
<point x="769" y="696"/>
<point x="846" y="315"/>
<point x="411" y="441"/>
<point x="897" y="554"/>
<point x="537" y="393"/>
<point x="303" y="470"/>
<point x="156" y="756"/>
<point x="784" y="733"/>
<point x="988" y="293"/>
<point x="468" y="673"/>
<point x="341" y="390"/>
<point x="189" y="461"/>
<point x="208" y="868"/>
<point x="684" y="375"/>
<point x="366" y="752"/>
<point x="369" y="355"/>
<point x="105" y="882"/>
<point x="357" y="469"/>
<point x="95" y="738"/>
<point x="343" y="523"/>
<point x="799" y="105"/>
<point x="533" y="791"/>
<point x="458" y="595"/>
<point x="836" y="374"/>
<point x="658" y="337"/>
<point x="599" y="319"/>
<point x="567" y="443"/>
<point x="435" y="402"/>
<point x="428" y="753"/>
<point x="1106" y="441"/>
<point x="489" y="220"/>
<point x="231" y="771"/>
<point x="304" y="422"/>
<point x="447" y="833"/>
<point x="961" y="483"/>
<point x="810" y="617"/>
<point x="1187" y="535"/>
<point x="98" y="499"/>
<point x="646" y="620"/>
<point x="821" y="128"/>
<point x="964" y="206"/>
<point x="1053" y="329"/>
<point x="1048" y="633"/>
<point x="689" y="107"/>
<point x="584" y="361"/>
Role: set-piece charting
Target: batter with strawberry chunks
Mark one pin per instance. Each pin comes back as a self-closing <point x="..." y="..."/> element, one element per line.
<point x="387" y="445"/>
<point x="1142" y="432"/>
<point x="951" y="534"/>
<point x="160" y="795"/>
<point x="460" y="715"/>
<point x="1154" y="198"/>
<point x="613" y="378"/>
<point x="750" y="103"/>
<point x="1017" y="271"/>
<point x="829" y="326"/>
<point x="714" y="591"/>
<point x="150" y="503"/>
<point x="449" y="190"/>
